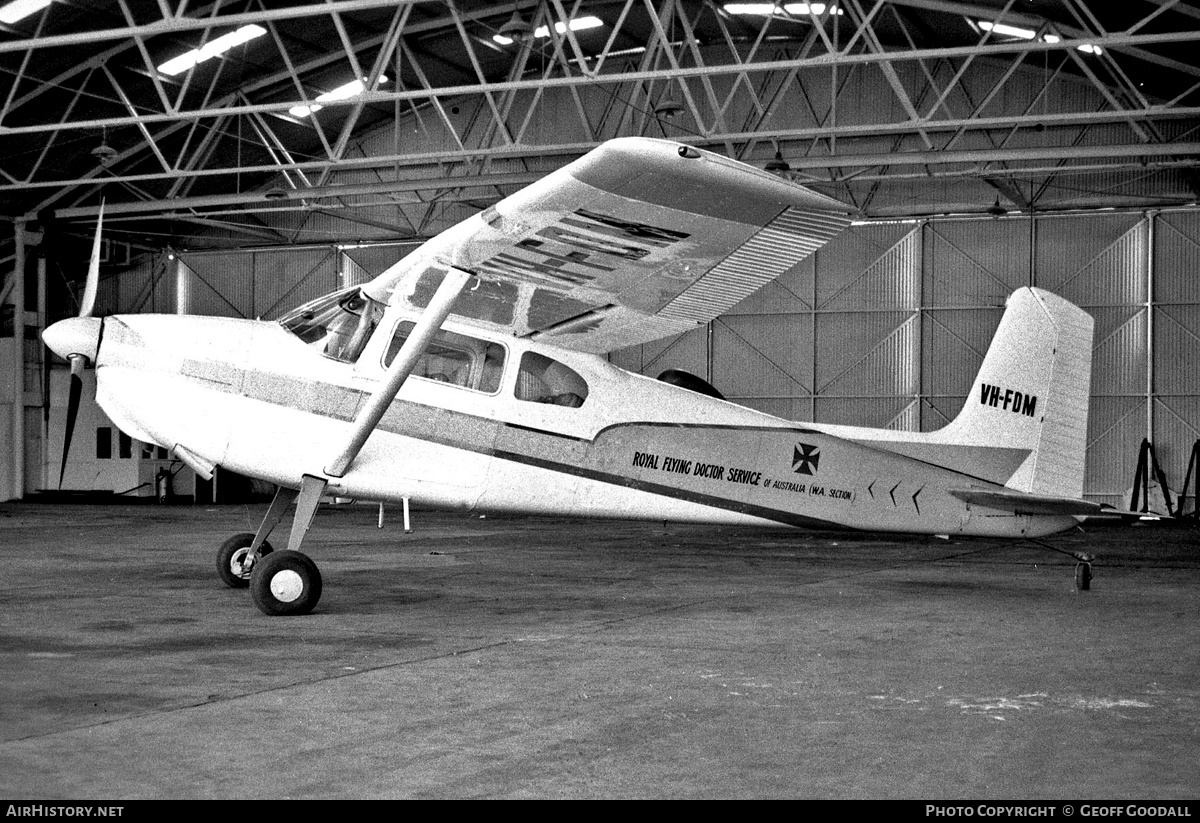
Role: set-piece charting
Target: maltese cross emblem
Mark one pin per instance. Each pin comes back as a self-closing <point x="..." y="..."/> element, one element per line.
<point x="805" y="459"/>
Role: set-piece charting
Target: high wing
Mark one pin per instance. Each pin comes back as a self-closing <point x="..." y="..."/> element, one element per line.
<point x="636" y="240"/>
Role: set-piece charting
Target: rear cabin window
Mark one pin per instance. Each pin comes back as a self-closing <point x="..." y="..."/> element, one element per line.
<point x="453" y="358"/>
<point x="544" y="380"/>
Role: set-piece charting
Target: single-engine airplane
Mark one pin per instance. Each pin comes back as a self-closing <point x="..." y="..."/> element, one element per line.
<point x="471" y="375"/>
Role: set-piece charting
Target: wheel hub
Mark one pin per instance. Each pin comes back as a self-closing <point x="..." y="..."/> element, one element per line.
<point x="237" y="563"/>
<point x="287" y="586"/>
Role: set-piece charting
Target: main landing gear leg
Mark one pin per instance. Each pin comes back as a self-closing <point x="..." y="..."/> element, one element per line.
<point x="288" y="582"/>
<point x="281" y="582"/>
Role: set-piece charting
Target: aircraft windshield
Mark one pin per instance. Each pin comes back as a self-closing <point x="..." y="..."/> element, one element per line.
<point x="337" y="325"/>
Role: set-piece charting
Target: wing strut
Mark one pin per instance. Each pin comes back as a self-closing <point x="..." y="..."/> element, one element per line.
<point x="406" y="359"/>
<point x="313" y="487"/>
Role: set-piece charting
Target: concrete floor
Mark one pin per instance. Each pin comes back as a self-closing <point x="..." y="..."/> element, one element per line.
<point x="522" y="658"/>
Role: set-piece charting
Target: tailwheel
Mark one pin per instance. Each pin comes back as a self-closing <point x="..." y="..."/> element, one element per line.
<point x="231" y="559"/>
<point x="1083" y="575"/>
<point x="285" y="582"/>
<point x="1083" y="564"/>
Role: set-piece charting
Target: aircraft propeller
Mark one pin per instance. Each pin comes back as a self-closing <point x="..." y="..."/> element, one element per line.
<point x="77" y="340"/>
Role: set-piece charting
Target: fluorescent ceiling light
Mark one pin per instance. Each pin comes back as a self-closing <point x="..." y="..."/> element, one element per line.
<point x="576" y="24"/>
<point x="1009" y="31"/>
<point x="20" y="9"/>
<point x="765" y="9"/>
<point x="213" y="48"/>
<point x="1029" y="34"/>
<point x="351" y="89"/>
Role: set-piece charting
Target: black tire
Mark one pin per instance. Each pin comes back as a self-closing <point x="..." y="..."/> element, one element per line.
<point x="230" y="556"/>
<point x="285" y="583"/>
<point x="1083" y="576"/>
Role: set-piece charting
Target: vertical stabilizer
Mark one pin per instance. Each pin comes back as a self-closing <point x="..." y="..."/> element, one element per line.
<point x="1032" y="393"/>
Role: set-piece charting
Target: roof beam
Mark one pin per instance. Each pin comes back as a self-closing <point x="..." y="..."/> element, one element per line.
<point x="179" y="23"/>
<point x="525" y="178"/>
<point x="671" y="74"/>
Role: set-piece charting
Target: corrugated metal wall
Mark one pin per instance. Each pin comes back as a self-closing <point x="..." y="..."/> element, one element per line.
<point x="1175" y="345"/>
<point x="225" y="284"/>
<point x="1102" y="264"/>
<point x="147" y="287"/>
<point x="262" y="283"/>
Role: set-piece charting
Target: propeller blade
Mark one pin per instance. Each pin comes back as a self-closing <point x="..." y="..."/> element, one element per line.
<point x="93" y="278"/>
<point x="78" y="363"/>
<point x="78" y="360"/>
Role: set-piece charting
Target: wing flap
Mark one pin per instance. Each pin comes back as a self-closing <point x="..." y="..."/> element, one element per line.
<point x="779" y="246"/>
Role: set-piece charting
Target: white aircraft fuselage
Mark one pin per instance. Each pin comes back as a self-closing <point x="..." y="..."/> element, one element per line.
<point x="252" y="397"/>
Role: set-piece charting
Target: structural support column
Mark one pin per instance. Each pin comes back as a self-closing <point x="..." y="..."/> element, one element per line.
<point x="18" y="375"/>
<point x="183" y="283"/>
<point x="1150" y="328"/>
<point x="43" y="321"/>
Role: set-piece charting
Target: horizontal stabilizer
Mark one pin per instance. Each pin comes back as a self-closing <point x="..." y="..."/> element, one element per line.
<point x="1031" y="504"/>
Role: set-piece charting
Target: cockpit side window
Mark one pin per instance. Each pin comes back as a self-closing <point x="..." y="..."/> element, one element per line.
<point x="454" y="358"/>
<point x="337" y="325"/>
<point x="544" y="380"/>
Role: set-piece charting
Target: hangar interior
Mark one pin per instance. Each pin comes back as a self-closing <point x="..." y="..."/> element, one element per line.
<point x="254" y="156"/>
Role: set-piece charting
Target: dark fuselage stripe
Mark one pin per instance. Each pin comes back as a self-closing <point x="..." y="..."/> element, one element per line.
<point x="674" y="492"/>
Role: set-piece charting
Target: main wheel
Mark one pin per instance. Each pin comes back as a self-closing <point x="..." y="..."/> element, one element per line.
<point x="231" y="559"/>
<point x="285" y="582"/>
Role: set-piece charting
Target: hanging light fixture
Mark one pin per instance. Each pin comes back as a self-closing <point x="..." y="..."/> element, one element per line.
<point x="104" y="153"/>
<point x="778" y="165"/>
<point x="668" y="107"/>
<point x="514" y="31"/>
